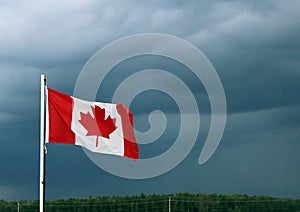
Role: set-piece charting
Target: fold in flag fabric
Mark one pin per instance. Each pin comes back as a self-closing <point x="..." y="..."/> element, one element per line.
<point x="99" y="127"/>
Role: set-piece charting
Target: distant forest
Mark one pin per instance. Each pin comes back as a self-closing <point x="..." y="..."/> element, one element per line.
<point x="147" y="203"/>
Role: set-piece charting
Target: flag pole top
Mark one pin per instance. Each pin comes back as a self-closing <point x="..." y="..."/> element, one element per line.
<point x="43" y="77"/>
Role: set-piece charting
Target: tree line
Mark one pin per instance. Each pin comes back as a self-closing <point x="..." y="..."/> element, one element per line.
<point x="148" y="203"/>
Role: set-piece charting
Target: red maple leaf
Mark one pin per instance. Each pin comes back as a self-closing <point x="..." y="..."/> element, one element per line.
<point x="98" y="126"/>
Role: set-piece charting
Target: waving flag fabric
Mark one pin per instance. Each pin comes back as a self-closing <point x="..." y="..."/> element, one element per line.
<point x="99" y="127"/>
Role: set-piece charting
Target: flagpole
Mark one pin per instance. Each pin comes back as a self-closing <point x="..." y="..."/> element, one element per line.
<point x="42" y="144"/>
<point x="169" y="203"/>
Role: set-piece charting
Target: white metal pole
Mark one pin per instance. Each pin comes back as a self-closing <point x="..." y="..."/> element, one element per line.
<point x="170" y="204"/>
<point x="42" y="143"/>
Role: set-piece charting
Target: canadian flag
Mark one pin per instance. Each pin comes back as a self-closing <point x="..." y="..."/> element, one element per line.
<point x="99" y="127"/>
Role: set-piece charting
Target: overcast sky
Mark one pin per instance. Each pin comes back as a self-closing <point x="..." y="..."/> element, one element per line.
<point x="253" y="45"/>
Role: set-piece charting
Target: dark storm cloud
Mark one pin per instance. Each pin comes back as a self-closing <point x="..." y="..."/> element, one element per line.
<point x="253" y="45"/>
<point x="260" y="49"/>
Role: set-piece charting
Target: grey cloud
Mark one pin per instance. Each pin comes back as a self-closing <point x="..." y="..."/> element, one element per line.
<point x="252" y="127"/>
